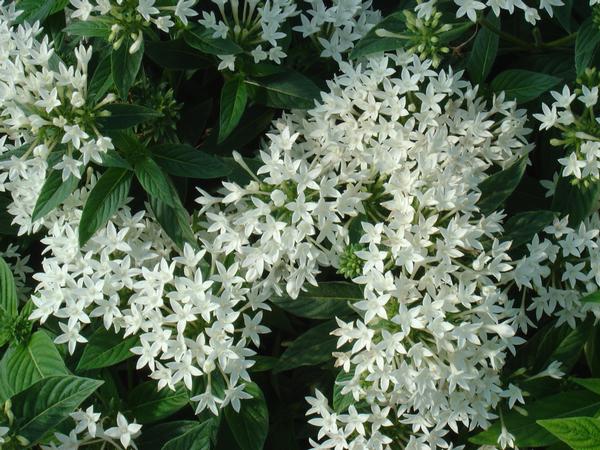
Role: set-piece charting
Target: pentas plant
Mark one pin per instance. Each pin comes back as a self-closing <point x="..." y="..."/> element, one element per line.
<point x="293" y="224"/>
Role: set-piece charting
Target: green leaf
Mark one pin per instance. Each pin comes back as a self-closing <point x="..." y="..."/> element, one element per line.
<point x="311" y="348"/>
<point x="28" y="362"/>
<point x="175" y="221"/>
<point x="485" y="49"/>
<point x="8" y="291"/>
<point x="198" y="437"/>
<point x="125" y="66"/>
<point x="341" y="402"/>
<point x="182" y="160"/>
<point x="586" y="45"/>
<point x="39" y="10"/>
<point x="577" y="200"/>
<point x="524" y="427"/>
<point x="112" y="159"/>
<point x="99" y="27"/>
<point x="523" y="85"/>
<point x="148" y="404"/>
<point x="53" y="193"/>
<point x="176" y="55"/>
<point x="591" y="384"/>
<point x="373" y="43"/>
<point x="234" y="97"/>
<point x="106" y="348"/>
<point x="251" y="425"/>
<point x="498" y="187"/>
<point x="107" y="196"/>
<point x="125" y="115"/>
<point x="577" y="432"/>
<point x="201" y="39"/>
<point x="44" y="405"/>
<point x="288" y="89"/>
<point x="155" y="182"/>
<point x="521" y="227"/>
<point x="326" y="301"/>
<point x="564" y="15"/>
<point x="594" y="297"/>
<point x="154" y="437"/>
<point x="101" y="81"/>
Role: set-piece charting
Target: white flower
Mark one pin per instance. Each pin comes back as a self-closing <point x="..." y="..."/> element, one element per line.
<point x="227" y="62"/>
<point x="183" y="10"/>
<point x="124" y="431"/>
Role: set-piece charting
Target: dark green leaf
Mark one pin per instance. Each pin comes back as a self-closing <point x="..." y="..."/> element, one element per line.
<point x="524" y="427"/>
<point x="564" y="15"/>
<point x="201" y="39"/>
<point x="45" y="404"/>
<point x="154" y="437"/>
<point x="288" y="90"/>
<point x="498" y="187"/>
<point x="485" y="49"/>
<point x="185" y="161"/>
<point x="521" y="227"/>
<point x="107" y="196"/>
<point x="125" y="115"/>
<point x="591" y="384"/>
<point x="588" y="38"/>
<point x="39" y="10"/>
<point x="341" y="402"/>
<point x="311" y="348"/>
<point x="8" y="291"/>
<point x="577" y="200"/>
<point x="101" y="80"/>
<point x="175" y="54"/>
<point x="112" y="159"/>
<point x="148" y="404"/>
<point x="28" y="362"/>
<point x="234" y="97"/>
<point x="175" y="221"/>
<point x="125" y="67"/>
<point x="106" y="348"/>
<point x="373" y="42"/>
<point x="251" y="425"/>
<point x="594" y="297"/>
<point x="155" y="182"/>
<point x="99" y="27"/>
<point x="198" y="437"/>
<point x="326" y="301"/>
<point x="577" y="432"/>
<point x="523" y="85"/>
<point x="53" y="193"/>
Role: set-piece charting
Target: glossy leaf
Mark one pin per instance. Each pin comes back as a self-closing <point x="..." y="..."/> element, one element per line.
<point x="234" y="97"/>
<point x="28" y="362"/>
<point x="125" y="66"/>
<point x="288" y="90"/>
<point x="498" y="187"/>
<point x="182" y="160"/>
<point x="53" y="193"/>
<point x="250" y="425"/>
<point x="45" y="404"/>
<point x="484" y="51"/>
<point x="106" y="348"/>
<point x="8" y="291"/>
<point x="109" y="193"/>
<point x="586" y="45"/>
<point x="326" y="301"/>
<point x="311" y="348"/>
<point x="125" y="115"/>
<point x="148" y="404"/>
<point x="197" y="437"/>
<point x="577" y="432"/>
<point x="523" y="85"/>
<point x="155" y="182"/>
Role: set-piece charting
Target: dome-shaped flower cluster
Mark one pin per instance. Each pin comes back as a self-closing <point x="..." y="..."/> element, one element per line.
<point x="388" y="165"/>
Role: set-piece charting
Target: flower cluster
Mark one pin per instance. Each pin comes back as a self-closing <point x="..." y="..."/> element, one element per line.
<point x="128" y="19"/>
<point x="396" y="157"/>
<point x="337" y="27"/>
<point x="46" y="117"/>
<point x="573" y="114"/>
<point x="561" y="267"/>
<point x="470" y="8"/>
<point x="255" y="25"/>
<point x="194" y="314"/>
<point x="89" y="430"/>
